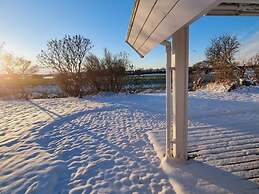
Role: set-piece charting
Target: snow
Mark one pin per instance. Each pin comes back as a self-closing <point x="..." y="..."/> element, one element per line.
<point x="223" y="141"/>
<point x="100" y="144"/>
<point x="33" y="92"/>
<point x="78" y="146"/>
<point x="50" y="89"/>
<point x="216" y="87"/>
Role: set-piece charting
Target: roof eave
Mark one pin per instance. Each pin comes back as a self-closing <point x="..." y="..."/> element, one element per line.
<point x="132" y="17"/>
<point x="141" y="55"/>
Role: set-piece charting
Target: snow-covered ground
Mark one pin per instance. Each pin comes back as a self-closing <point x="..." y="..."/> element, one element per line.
<point x="79" y="146"/>
<point x="223" y="137"/>
<point x="100" y="144"/>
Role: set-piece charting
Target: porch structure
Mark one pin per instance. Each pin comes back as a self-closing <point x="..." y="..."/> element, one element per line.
<point x="166" y="22"/>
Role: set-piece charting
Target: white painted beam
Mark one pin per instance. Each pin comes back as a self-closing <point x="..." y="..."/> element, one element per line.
<point x="180" y="93"/>
<point x="168" y="49"/>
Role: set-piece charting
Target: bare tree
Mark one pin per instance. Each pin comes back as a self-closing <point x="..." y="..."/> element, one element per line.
<point x="25" y="67"/>
<point x="68" y="57"/>
<point x="95" y="73"/>
<point x="221" y="55"/>
<point x="197" y="74"/>
<point x="18" y="66"/>
<point x="254" y="63"/>
<point x="9" y="64"/>
<point x="115" y="66"/>
<point x="108" y="73"/>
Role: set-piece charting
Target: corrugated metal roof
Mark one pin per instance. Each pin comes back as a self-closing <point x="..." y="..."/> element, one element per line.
<point x="153" y="21"/>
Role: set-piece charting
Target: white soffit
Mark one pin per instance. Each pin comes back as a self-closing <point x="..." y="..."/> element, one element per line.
<point x="153" y="21"/>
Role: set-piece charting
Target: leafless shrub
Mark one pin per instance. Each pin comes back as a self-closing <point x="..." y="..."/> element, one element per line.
<point x="16" y="70"/>
<point x="115" y="69"/>
<point x="197" y="77"/>
<point x="25" y="67"/>
<point x="95" y="75"/>
<point x="108" y="73"/>
<point x="254" y="63"/>
<point x="221" y="56"/>
<point x="68" y="57"/>
<point x="8" y="64"/>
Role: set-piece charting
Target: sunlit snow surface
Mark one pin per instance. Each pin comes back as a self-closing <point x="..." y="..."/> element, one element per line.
<point x="223" y="142"/>
<point x="79" y="146"/>
<point x="99" y="144"/>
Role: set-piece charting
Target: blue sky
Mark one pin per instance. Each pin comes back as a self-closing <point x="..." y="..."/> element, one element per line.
<point x="26" y="26"/>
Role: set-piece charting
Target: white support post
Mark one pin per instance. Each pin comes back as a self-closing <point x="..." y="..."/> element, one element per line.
<point x="168" y="48"/>
<point x="180" y="93"/>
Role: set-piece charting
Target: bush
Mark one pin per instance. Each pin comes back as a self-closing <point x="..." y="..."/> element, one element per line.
<point x="108" y="73"/>
<point x="220" y="55"/>
<point x="67" y="57"/>
<point x="80" y="72"/>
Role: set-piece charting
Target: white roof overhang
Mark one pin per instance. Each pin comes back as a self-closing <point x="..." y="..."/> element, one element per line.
<point x="153" y="21"/>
